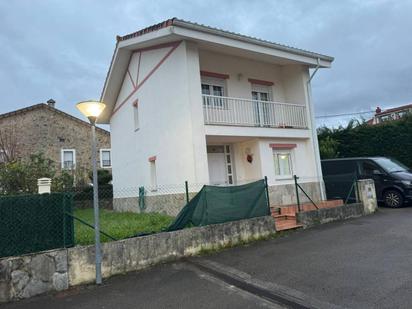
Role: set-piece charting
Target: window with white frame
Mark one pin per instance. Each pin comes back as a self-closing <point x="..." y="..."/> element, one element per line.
<point x="212" y="90"/>
<point x="105" y="158"/>
<point x="261" y="92"/>
<point x="136" y="115"/>
<point x="68" y="158"/>
<point x="283" y="163"/>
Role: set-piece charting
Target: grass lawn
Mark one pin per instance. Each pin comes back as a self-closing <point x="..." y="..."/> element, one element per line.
<point x="117" y="224"/>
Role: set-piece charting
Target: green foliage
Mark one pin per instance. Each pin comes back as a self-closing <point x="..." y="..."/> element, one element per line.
<point x="63" y="182"/>
<point x="117" y="224"/>
<point x="21" y="176"/>
<point x="390" y="139"/>
<point x="328" y="148"/>
<point x="103" y="176"/>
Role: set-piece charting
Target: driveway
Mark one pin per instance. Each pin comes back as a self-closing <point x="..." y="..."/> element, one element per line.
<point x="360" y="263"/>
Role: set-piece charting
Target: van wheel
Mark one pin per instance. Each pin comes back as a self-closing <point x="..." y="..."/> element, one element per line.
<point x="393" y="199"/>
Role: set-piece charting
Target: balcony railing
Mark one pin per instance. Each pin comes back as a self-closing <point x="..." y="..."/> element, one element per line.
<point x="243" y="112"/>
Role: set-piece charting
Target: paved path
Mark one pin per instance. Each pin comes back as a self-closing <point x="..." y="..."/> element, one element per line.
<point x="361" y="263"/>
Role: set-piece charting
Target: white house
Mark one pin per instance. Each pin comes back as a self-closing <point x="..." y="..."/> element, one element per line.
<point x="190" y="102"/>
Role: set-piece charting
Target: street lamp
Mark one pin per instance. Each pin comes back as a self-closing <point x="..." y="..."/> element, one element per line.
<point x="92" y="110"/>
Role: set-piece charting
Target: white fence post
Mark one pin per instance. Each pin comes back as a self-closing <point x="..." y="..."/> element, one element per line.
<point x="44" y="185"/>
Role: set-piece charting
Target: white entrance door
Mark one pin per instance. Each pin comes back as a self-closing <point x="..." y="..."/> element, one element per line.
<point x="217" y="168"/>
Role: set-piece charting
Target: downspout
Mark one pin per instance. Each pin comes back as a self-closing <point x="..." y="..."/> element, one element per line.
<point x="315" y="142"/>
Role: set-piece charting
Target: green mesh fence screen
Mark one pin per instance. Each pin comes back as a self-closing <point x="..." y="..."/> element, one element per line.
<point x="31" y="223"/>
<point x="222" y="204"/>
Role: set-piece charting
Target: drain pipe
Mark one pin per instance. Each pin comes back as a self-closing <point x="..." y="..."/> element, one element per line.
<point x="315" y="142"/>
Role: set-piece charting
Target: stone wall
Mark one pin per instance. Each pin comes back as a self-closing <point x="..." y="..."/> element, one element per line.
<point x="286" y="194"/>
<point x="326" y="215"/>
<point x="44" y="129"/>
<point x="26" y="276"/>
<point x="366" y="196"/>
<point x="171" y="204"/>
<point x="168" y="204"/>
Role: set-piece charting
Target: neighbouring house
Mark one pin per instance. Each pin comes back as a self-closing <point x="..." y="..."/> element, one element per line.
<point x="63" y="138"/>
<point x="191" y="102"/>
<point x="390" y="114"/>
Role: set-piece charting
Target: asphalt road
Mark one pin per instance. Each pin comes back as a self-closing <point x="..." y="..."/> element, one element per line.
<point x="360" y="263"/>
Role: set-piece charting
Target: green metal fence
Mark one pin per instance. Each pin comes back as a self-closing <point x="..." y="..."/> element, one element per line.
<point x="30" y="223"/>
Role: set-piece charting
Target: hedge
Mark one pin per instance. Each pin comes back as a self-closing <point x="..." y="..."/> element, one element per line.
<point x="391" y="139"/>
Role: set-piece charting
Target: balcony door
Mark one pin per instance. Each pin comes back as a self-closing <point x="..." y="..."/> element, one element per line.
<point x="213" y="91"/>
<point x="262" y="110"/>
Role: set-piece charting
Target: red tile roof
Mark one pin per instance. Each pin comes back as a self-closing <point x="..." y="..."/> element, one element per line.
<point x="180" y="22"/>
<point x="395" y="109"/>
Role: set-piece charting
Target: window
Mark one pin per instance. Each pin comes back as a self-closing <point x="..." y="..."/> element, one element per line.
<point x="68" y="158"/>
<point x="153" y="175"/>
<point x="283" y="164"/>
<point x="105" y="158"/>
<point x="263" y="111"/>
<point x="136" y="115"/>
<point x="212" y="90"/>
<point x="368" y="168"/>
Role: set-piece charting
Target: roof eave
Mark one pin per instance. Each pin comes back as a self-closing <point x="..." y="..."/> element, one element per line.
<point x="239" y="37"/>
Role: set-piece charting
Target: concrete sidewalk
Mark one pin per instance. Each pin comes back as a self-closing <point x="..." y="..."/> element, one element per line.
<point x="360" y="263"/>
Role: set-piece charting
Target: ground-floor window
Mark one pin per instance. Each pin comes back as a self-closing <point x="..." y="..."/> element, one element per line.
<point x="283" y="163"/>
<point x="68" y="158"/>
<point x="105" y="158"/>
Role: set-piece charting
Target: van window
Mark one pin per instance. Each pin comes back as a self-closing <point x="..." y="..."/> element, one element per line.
<point x="339" y="167"/>
<point x="367" y="168"/>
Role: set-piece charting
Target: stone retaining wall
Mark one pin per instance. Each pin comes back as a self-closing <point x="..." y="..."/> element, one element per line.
<point x="56" y="270"/>
<point x="366" y="196"/>
<point x="325" y="215"/>
<point x="29" y="275"/>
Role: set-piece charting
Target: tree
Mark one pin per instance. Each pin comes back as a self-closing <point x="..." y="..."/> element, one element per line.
<point x="9" y="150"/>
<point x="328" y="148"/>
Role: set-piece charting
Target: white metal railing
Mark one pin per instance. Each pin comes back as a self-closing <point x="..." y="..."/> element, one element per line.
<point x="244" y="112"/>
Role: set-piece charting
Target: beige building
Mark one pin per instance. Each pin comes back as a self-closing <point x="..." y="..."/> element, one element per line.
<point x="390" y="114"/>
<point x="63" y="138"/>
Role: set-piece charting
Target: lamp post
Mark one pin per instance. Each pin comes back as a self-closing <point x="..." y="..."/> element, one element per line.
<point x="92" y="110"/>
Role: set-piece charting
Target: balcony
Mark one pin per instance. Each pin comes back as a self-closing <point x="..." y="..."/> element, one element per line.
<point x="219" y="110"/>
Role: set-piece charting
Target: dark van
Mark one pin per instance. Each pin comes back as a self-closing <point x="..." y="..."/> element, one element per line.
<point x="393" y="180"/>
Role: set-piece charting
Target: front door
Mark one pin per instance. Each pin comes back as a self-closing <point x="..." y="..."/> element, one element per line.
<point x="219" y="163"/>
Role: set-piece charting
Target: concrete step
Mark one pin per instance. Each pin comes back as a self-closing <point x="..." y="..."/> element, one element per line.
<point x="279" y="217"/>
<point x="286" y="224"/>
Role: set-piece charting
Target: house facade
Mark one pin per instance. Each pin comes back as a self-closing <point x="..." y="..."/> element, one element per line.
<point x="63" y="138"/>
<point x="391" y="114"/>
<point x="190" y="102"/>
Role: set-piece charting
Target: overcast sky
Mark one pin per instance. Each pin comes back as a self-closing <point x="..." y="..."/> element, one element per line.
<point x="62" y="49"/>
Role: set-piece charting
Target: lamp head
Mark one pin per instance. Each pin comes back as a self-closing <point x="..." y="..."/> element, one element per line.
<point x="91" y="109"/>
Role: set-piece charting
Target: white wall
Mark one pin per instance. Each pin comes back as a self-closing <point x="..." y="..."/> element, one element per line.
<point x="167" y="124"/>
<point x="303" y="160"/>
<point x="245" y="171"/>
<point x="172" y="126"/>
<point x="239" y="86"/>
